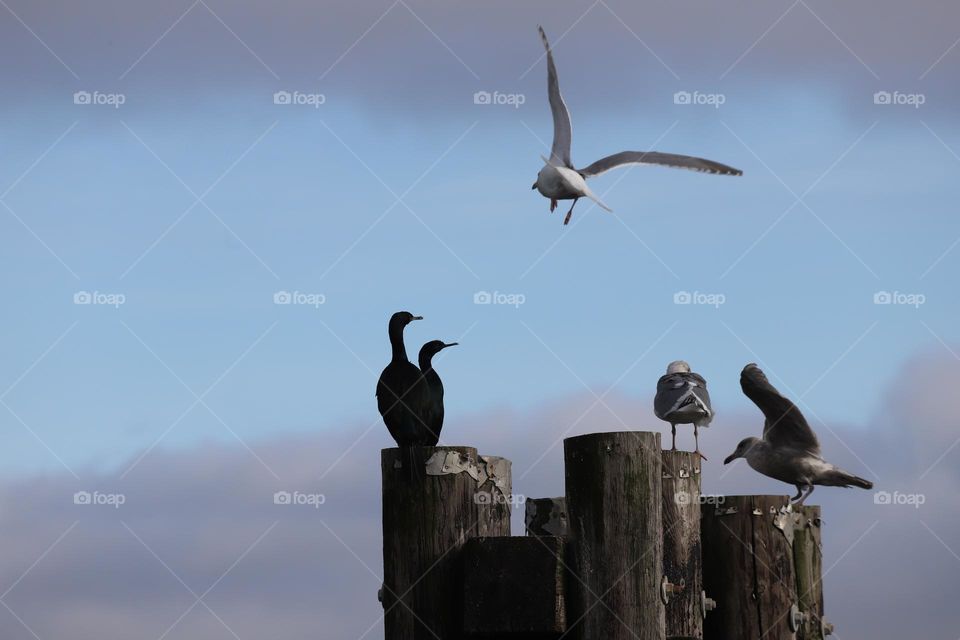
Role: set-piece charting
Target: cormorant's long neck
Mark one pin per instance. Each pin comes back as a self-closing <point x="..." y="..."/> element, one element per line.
<point x="396" y="344"/>
<point x="426" y="363"/>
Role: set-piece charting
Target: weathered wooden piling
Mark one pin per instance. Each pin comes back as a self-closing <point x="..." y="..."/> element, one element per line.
<point x="614" y="495"/>
<point x="684" y="610"/>
<point x="546" y="517"/>
<point x="494" y="496"/>
<point x="808" y="564"/>
<point x="429" y="511"/>
<point x="514" y="588"/>
<point x="748" y="567"/>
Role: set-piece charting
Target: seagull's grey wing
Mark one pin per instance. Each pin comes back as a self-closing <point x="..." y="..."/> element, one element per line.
<point x="560" y="152"/>
<point x="669" y="390"/>
<point x="655" y="157"/>
<point x="785" y="426"/>
<point x="673" y="392"/>
<point x="701" y="390"/>
<point x="699" y="379"/>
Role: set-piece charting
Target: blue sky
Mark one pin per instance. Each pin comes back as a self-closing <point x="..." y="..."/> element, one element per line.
<point x="300" y="212"/>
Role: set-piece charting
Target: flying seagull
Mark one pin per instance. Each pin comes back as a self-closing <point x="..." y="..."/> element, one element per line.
<point x="401" y="387"/>
<point x="789" y="450"/>
<point x="432" y="410"/>
<point x="559" y="180"/>
<point x="682" y="398"/>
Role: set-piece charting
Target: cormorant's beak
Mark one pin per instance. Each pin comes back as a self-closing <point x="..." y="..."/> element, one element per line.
<point x="452" y="344"/>
<point x="534" y="186"/>
<point x="416" y="318"/>
<point x="730" y="458"/>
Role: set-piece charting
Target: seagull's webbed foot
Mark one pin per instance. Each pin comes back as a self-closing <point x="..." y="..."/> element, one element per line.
<point x="553" y="205"/>
<point x="806" y="494"/>
<point x="569" y="213"/>
<point x="696" y="442"/>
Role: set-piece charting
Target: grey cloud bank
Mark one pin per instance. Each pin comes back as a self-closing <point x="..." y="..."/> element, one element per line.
<point x="291" y="571"/>
<point x="421" y="56"/>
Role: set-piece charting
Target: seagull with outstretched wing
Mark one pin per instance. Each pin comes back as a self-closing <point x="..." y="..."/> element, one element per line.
<point x="789" y="450"/>
<point x="559" y="180"/>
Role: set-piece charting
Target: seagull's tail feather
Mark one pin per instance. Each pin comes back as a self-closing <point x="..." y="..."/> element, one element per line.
<point x="840" y="478"/>
<point x="590" y="194"/>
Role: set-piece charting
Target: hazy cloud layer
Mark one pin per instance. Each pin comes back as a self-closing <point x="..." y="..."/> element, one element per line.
<point x="207" y="517"/>
<point x="401" y="56"/>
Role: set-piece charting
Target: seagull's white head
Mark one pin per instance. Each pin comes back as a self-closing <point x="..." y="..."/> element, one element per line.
<point x="678" y="366"/>
<point x="745" y="449"/>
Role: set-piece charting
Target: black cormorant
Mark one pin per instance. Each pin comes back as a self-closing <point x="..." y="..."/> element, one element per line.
<point x="401" y="387"/>
<point x="432" y="413"/>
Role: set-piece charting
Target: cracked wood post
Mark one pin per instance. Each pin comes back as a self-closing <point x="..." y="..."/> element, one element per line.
<point x="494" y="497"/>
<point x="808" y="562"/>
<point x="614" y="506"/>
<point x="427" y="516"/>
<point x="681" y="544"/>
<point x="748" y="568"/>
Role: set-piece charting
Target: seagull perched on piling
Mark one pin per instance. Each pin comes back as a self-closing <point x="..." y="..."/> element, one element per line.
<point x="789" y="450"/>
<point x="432" y="411"/>
<point x="401" y="390"/>
<point x="559" y="180"/>
<point x="682" y="398"/>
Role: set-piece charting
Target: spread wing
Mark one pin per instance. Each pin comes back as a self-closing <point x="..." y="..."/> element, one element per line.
<point x="785" y="426"/>
<point x="655" y="157"/>
<point x="562" y="132"/>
